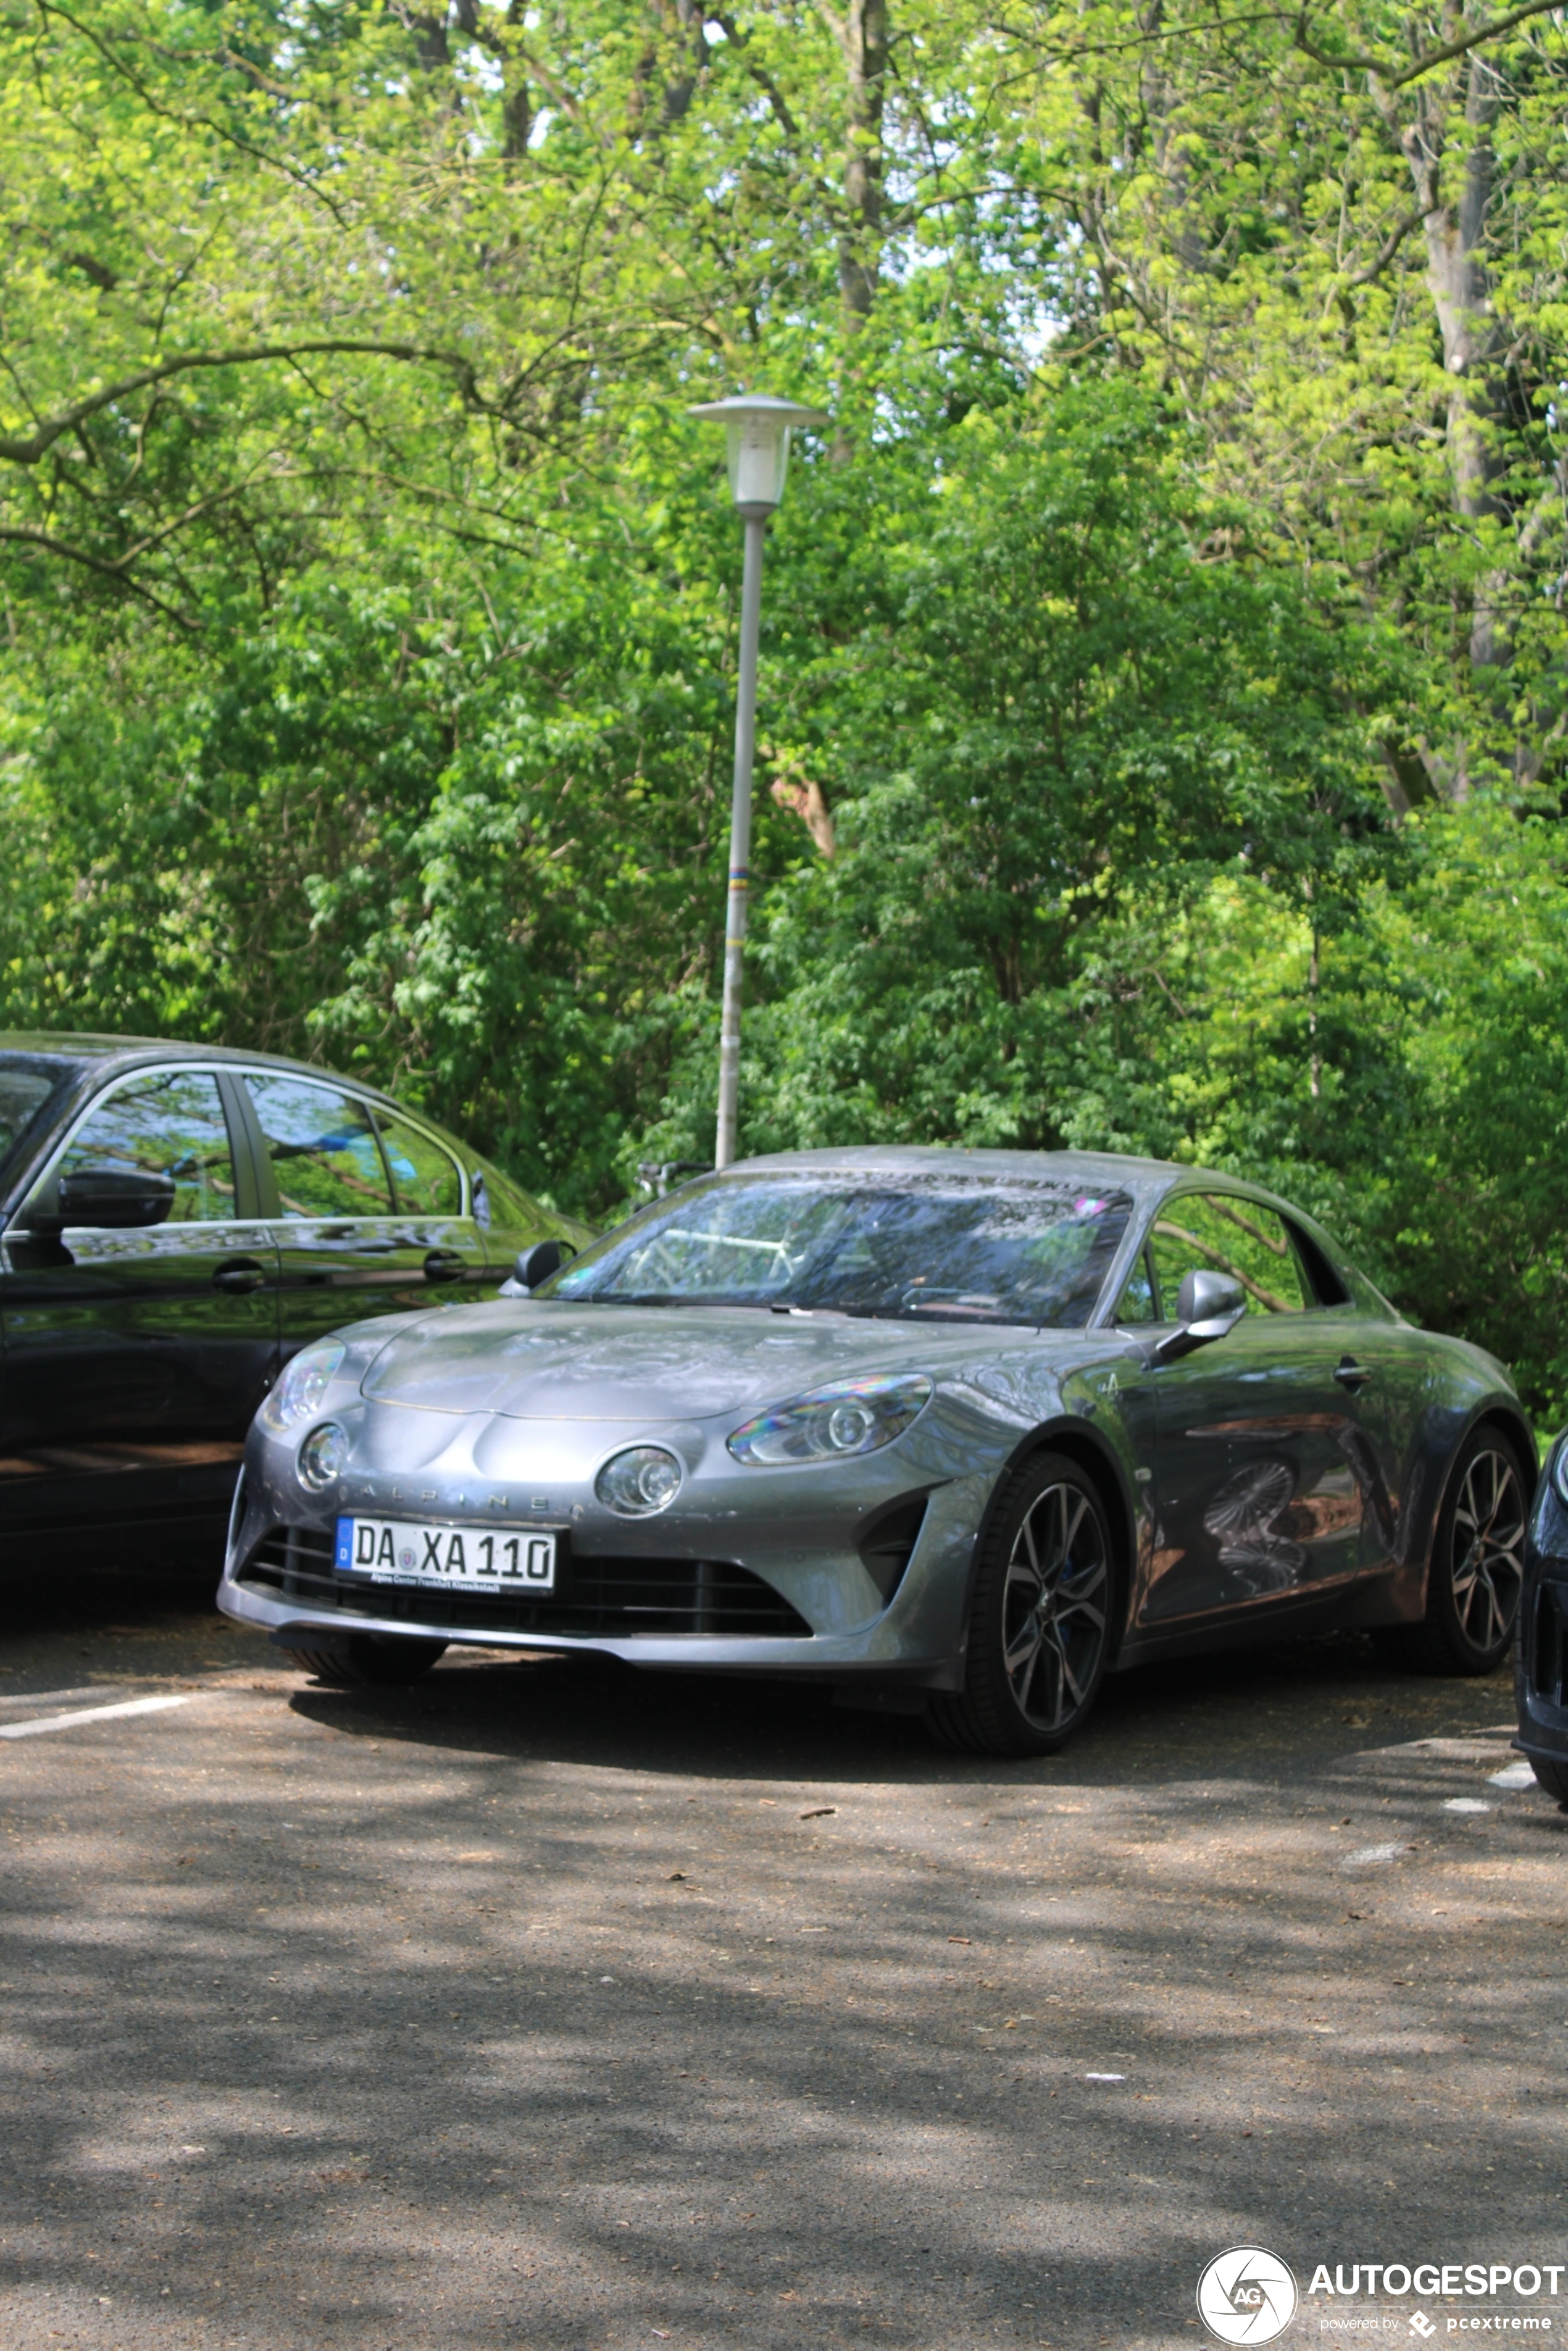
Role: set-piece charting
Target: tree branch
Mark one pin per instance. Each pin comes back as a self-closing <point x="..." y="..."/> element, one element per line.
<point x="1391" y="79"/>
<point x="117" y="64"/>
<point x="1390" y="245"/>
<point x="27" y="451"/>
<point x="21" y="535"/>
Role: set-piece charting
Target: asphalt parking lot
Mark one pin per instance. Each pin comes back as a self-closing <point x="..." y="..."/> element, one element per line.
<point x="554" y="2006"/>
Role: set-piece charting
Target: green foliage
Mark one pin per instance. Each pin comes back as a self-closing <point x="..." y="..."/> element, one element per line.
<point x="1171" y="624"/>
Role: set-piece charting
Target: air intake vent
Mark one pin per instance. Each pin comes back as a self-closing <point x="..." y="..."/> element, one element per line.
<point x="595" y="1595"/>
<point x="1548" y="1662"/>
<point x="888" y="1542"/>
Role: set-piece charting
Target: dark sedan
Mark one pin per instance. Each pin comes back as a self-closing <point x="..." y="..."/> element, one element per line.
<point x="176" y="1221"/>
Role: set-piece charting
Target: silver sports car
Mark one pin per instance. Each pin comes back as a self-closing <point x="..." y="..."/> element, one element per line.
<point x="955" y="1432"/>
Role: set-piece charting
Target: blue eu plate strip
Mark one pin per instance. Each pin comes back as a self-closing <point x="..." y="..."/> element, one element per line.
<point x="343" y="1556"/>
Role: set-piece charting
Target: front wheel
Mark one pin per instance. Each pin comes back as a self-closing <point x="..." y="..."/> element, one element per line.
<point x="1550" y="1775"/>
<point x="1039" y="1621"/>
<point x="1477" y="1572"/>
<point x="386" y="1661"/>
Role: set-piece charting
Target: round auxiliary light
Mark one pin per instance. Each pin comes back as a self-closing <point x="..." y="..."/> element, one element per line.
<point x="324" y="1455"/>
<point x="638" y="1482"/>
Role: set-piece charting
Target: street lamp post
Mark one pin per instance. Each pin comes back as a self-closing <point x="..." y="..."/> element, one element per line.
<point x="758" y="431"/>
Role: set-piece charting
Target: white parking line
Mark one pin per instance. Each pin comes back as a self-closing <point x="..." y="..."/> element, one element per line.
<point x="1518" y="1775"/>
<point x="89" y="1714"/>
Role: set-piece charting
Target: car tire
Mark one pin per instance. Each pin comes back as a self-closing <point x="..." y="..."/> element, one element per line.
<point x="1552" y="1776"/>
<point x="1477" y="1570"/>
<point x="369" y="1658"/>
<point x="1039" y="1618"/>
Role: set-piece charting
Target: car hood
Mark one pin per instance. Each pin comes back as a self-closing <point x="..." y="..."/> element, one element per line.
<point x="547" y="1361"/>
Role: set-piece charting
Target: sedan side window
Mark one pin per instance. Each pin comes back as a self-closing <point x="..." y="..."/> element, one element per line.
<point x="1238" y="1237"/>
<point x="425" y="1177"/>
<point x="1139" y="1302"/>
<point x="323" y="1147"/>
<point x="172" y="1124"/>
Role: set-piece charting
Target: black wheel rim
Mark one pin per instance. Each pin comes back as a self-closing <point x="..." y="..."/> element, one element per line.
<point x="1488" y="1549"/>
<point x="1054" y="1607"/>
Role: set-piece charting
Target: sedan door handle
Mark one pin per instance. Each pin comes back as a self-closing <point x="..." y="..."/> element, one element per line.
<point x="240" y="1276"/>
<point x="444" y="1265"/>
<point x="1352" y="1374"/>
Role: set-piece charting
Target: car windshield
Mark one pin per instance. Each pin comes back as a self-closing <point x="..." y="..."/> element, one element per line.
<point x="961" y="1250"/>
<point x="27" y="1082"/>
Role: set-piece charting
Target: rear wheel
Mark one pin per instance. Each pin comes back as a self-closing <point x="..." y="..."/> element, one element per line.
<point x="369" y="1658"/>
<point x="1039" y="1621"/>
<point x="1477" y="1565"/>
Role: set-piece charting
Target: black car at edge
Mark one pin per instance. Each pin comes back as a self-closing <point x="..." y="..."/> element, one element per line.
<point x="176" y="1221"/>
<point x="1540" y="1657"/>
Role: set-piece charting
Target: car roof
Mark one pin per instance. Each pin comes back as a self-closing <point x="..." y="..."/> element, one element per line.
<point x="83" y="1050"/>
<point x="1139" y="1175"/>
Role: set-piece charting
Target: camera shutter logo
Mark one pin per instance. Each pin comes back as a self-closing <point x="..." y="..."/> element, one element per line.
<point x="1247" y="2295"/>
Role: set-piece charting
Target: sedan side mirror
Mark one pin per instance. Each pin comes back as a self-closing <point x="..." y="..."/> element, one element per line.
<point x="1209" y="1304"/>
<point x="536" y="1264"/>
<point x="117" y="1197"/>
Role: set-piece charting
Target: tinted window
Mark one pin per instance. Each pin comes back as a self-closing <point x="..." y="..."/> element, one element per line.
<point x="322" y="1146"/>
<point x="1232" y="1237"/>
<point x="425" y="1177"/>
<point x="24" y="1091"/>
<point x="172" y="1124"/>
<point x="1031" y="1253"/>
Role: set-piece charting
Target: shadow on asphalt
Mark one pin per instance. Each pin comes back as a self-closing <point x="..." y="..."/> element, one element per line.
<point x="296" y="2029"/>
<point x="1269" y="1713"/>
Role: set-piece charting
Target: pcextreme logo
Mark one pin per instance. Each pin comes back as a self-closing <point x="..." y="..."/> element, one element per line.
<point x="1247" y="2295"/>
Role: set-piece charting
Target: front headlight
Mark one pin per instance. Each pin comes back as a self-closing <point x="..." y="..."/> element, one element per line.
<point x="834" y="1424"/>
<point x="305" y="1382"/>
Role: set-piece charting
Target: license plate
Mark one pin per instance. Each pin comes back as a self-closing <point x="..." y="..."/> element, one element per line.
<point x="459" y="1559"/>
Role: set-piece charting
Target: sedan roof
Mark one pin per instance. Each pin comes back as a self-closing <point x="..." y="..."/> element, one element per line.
<point x="83" y="1050"/>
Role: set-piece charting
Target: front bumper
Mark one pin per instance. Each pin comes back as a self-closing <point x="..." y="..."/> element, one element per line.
<point x="1540" y="1653"/>
<point x="857" y="1572"/>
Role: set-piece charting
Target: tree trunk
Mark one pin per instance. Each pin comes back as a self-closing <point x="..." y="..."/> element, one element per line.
<point x="864" y="39"/>
<point x="1456" y="226"/>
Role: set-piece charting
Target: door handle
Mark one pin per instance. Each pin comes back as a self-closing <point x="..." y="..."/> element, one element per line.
<point x="444" y="1265"/>
<point x="1352" y="1374"/>
<point x="239" y="1277"/>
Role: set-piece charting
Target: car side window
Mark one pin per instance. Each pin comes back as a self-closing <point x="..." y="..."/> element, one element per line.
<point x="1139" y="1302"/>
<point x="425" y="1180"/>
<point x="170" y="1124"/>
<point x="323" y="1147"/>
<point x="1238" y="1237"/>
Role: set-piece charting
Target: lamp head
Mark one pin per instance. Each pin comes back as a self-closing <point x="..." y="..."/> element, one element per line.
<point x="759" y="429"/>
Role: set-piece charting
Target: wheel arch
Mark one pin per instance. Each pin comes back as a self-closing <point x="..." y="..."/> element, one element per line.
<point x="1083" y="1445"/>
<point x="1508" y="1418"/>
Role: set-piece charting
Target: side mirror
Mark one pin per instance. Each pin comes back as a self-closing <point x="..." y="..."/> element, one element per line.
<point x="536" y="1264"/>
<point x="117" y="1197"/>
<point x="1209" y="1304"/>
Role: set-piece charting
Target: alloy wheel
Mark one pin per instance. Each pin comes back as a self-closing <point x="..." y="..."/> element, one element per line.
<point x="1054" y="1607"/>
<point x="1487" y="1548"/>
